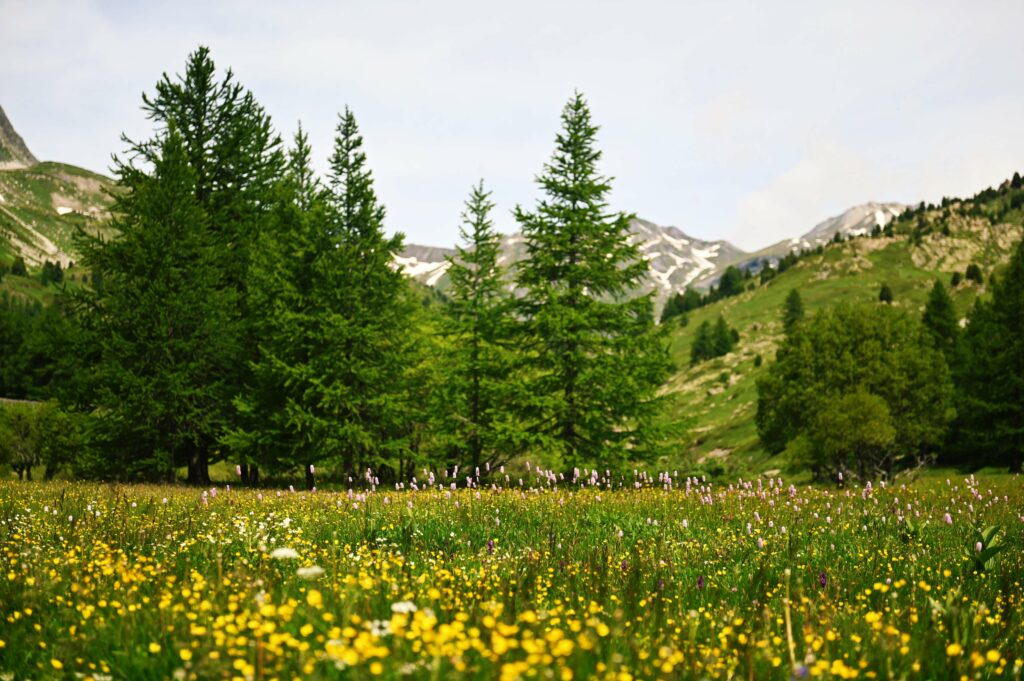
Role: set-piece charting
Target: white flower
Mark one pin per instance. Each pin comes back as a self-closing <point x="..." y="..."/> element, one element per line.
<point x="404" y="607"/>
<point x="311" y="572"/>
<point x="284" y="553"/>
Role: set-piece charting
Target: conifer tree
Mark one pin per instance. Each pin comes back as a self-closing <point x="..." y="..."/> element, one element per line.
<point x="282" y="286"/>
<point x="235" y="160"/>
<point x="475" y="395"/>
<point x="703" y="344"/>
<point x="793" y="312"/>
<point x="991" y="382"/>
<point x="156" y="329"/>
<point x="940" y="320"/>
<point x="331" y="378"/>
<point x="723" y="338"/>
<point x="595" y="358"/>
<point x="885" y="294"/>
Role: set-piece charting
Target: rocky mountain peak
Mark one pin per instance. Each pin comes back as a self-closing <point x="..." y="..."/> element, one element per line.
<point x="13" y="151"/>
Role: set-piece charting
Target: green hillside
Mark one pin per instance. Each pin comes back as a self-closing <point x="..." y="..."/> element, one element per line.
<point x="43" y="205"/>
<point x="719" y="397"/>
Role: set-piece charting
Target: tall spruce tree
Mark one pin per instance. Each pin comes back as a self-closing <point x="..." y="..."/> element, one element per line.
<point x="940" y="320"/>
<point x="703" y="344"/>
<point x="793" y="311"/>
<point x="723" y="338"/>
<point x="376" y="331"/>
<point x="475" y="395"/>
<point x="594" y="356"/>
<point x="330" y="378"/>
<point x="287" y="310"/>
<point x="991" y="407"/>
<point x="156" y="329"/>
<point x="235" y="160"/>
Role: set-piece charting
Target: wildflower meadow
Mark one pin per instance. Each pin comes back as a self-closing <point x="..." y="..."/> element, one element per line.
<point x="599" y="576"/>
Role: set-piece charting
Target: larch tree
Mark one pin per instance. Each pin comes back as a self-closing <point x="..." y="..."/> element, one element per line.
<point x="990" y="426"/>
<point x="476" y="395"/>
<point x="593" y="354"/>
<point x="235" y="159"/>
<point x="156" y="329"/>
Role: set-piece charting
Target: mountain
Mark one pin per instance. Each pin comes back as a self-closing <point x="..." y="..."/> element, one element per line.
<point x="856" y="221"/>
<point x="42" y="205"/>
<point x="927" y="243"/>
<point x="13" y="152"/>
<point x="676" y="260"/>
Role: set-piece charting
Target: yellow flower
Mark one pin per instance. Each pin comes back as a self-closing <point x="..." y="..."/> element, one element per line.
<point x="57" y="664"/>
<point x="992" y="656"/>
<point x="954" y="649"/>
<point x="314" y="598"/>
<point x="154" y="648"/>
<point x="185" y="654"/>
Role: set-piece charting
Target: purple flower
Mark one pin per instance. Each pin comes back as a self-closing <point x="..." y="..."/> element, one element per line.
<point x="700" y="582"/>
<point x="625" y="565"/>
<point x="490" y="547"/>
<point x="823" y="580"/>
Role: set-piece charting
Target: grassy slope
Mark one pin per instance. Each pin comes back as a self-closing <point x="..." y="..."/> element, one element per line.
<point x="725" y="434"/>
<point x="31" y="197"/>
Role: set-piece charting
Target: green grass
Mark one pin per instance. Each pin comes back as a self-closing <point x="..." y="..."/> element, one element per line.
<point x="725" y="437"/>
<point x="736" y="581"/>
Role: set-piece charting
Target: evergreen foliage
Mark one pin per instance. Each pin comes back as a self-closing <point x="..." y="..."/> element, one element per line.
<point x="941" y="321"/>
<point x="18" y="268"/>
<point x="337" y="334"/>
<point x="793" y="311"/>
<point x="849" y="355"/>
<point x="159" y="328"/>
<point x="885" y="294"/>
<point x="681" y="303"/>
<point x="594" y="357"/>
<point x="990" y="428"/>
<point x="712" y="341"/>
<point x="476" y="395"/>
<point x="234" y="159"/>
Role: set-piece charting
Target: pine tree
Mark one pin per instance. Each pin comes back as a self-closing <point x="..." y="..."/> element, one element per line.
<point x="722" y="338"/>
<point x="18" y="268"/>
<point x="287" y="309"/>
<point x="331" y="375"/>
<point x="991" y="382"/>
<point x="731" y="282"/>
<point x="475" y="395"/>
<point x="235" y="159"/>
<point x="941" y="321"/>
<point x="595" y="356"/>
<point x="793" y="312"/>
<point x="157" y="327"/>
<point x="885" y="294"/>
<point x="703" y="344"/>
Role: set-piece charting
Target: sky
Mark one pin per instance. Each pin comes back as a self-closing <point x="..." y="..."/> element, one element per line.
<point x="746" y="121"/>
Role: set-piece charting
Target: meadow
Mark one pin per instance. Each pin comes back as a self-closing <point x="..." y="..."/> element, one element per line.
<point x="635" y="577"/>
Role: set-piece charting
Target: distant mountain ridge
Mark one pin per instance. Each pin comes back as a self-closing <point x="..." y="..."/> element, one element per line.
<point x="676" y="259"/>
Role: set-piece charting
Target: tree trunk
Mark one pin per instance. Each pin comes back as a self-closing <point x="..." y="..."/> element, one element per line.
<point x="198" y="468"/>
